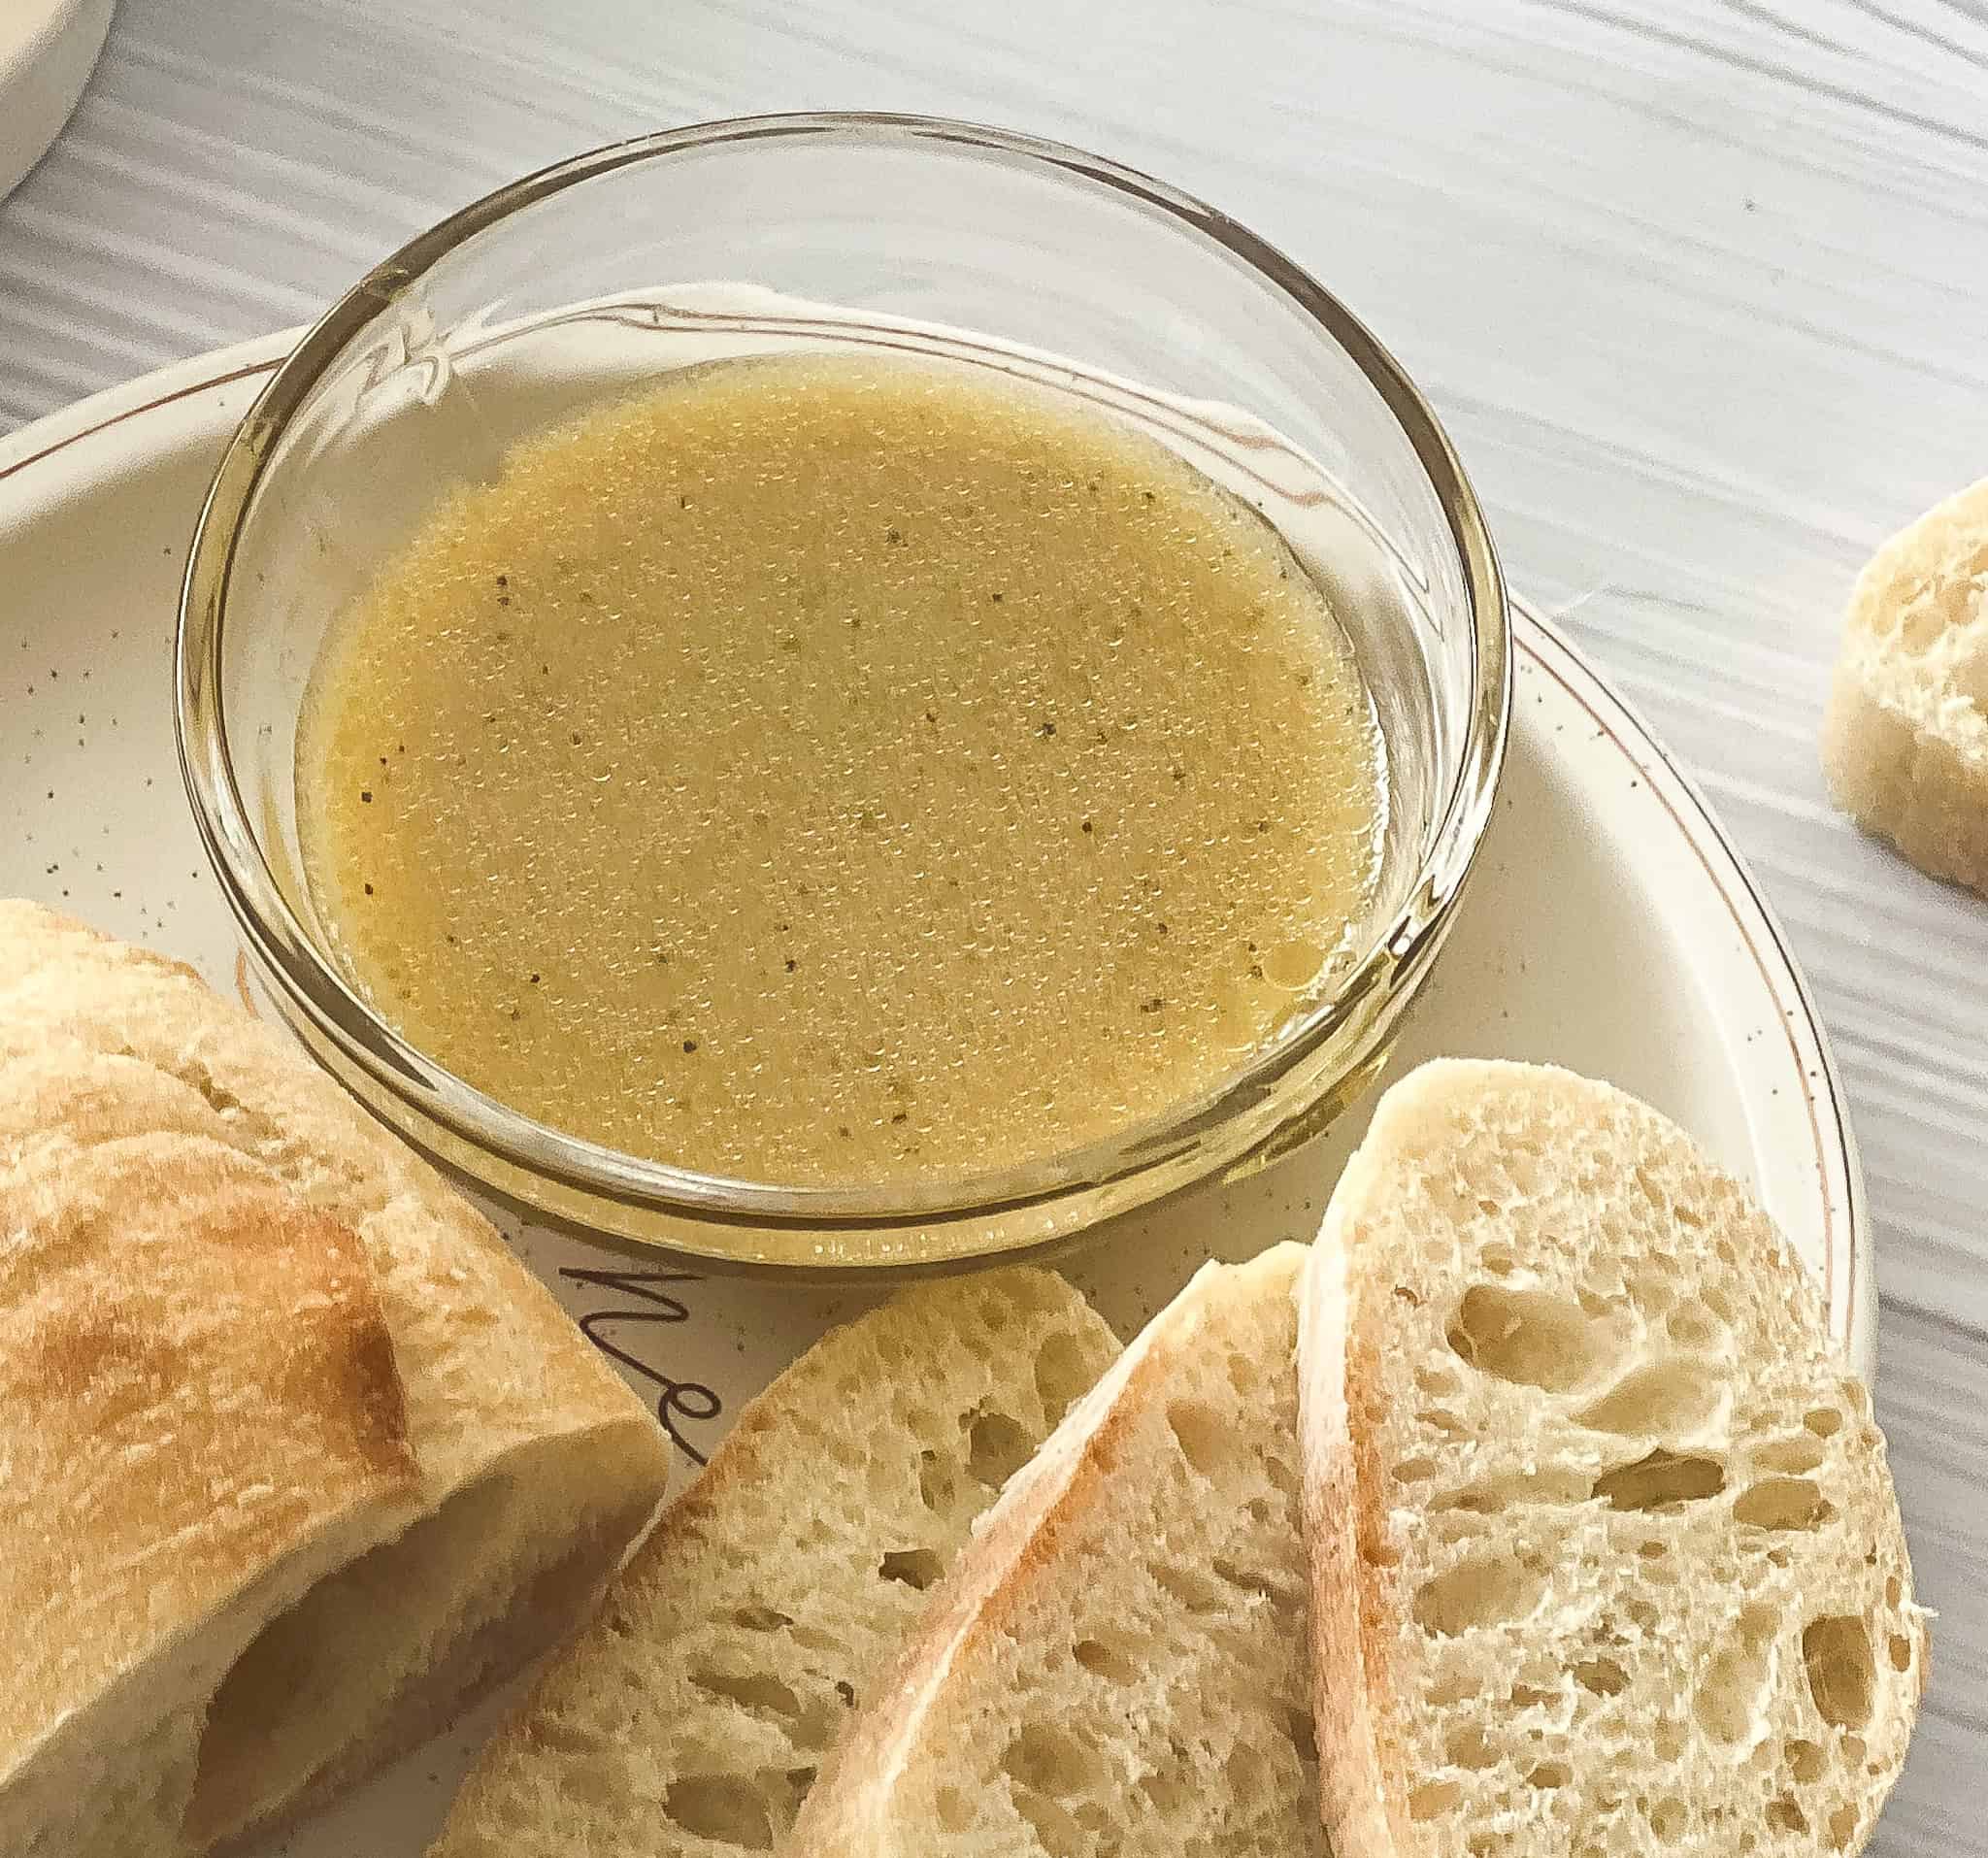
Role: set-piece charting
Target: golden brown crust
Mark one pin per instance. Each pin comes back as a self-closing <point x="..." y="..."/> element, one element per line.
<point x="1354" y="1605"/>
<point x="195" y="1379"/>
<point x="111" y="1055"/>
<point x="451" y="1288"/>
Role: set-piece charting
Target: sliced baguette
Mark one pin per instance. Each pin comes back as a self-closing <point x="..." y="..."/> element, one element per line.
<point x="199" y="1419"/>
<point x="1117" y="1664"/>
<point x="1605" y="1555"/>
<point x="534" y="1464"/>
<point x="1905" y="740"/>
<point x="690" y="1717"/>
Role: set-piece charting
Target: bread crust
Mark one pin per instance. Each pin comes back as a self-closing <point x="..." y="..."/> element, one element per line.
<point x="1354" y="1603"/>
<point x="102" y="1045"/>
<point x="1619" y="1359"/>
<point x="624" y="1697"/>
<point x="1023" y="1545"/>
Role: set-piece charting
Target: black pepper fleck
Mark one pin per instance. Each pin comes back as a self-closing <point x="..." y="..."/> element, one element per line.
<point x="690" y="1044"/>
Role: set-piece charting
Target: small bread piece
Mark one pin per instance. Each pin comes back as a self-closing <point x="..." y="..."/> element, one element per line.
<point x="690" y="1717"/>
<point x="199" y="1418"/>
<point x="1117" y="1663"/>
<point x="1606" y="1556"/>
<point x="535" y="1464"/>
<point x="1905" y="740"/>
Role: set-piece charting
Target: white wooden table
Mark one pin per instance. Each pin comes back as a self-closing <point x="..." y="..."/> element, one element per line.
<point x="1701" y="288"/>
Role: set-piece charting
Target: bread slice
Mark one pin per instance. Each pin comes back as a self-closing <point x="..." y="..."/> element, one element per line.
<point x="534" y="1465"/>
<point x="1606" y="1558"/>
<point x="199" y="1418"/>
<point x="1905" y="740"/>
<point x="1117" y="1664"/>
<point x="690" y="1717"/>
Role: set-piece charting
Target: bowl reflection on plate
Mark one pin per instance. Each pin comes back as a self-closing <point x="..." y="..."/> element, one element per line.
<point x="831" y="233"/>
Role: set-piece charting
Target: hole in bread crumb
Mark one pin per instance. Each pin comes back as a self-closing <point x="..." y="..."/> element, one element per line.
<point x="720" y="1808"/>
<point x="1806" y="1760"/>
<point x="916" y="1568"/>
<point x="1105" y="1661"/>
<point x="1667" y="1738"/>
<point x="760" y="1619"/>
<point x="1199" y="1433"/>
<point x="1661" y="1478"/>
<point x="1061" y="1375"/>
<point x="750" y="1692"/>
<point x="1481" y="1591"/>
<point x="1050" y="1761"/>
<point x="1836" y="1650"/>
<point x="1782" y="1503"/>
<point x="1691" y="1326"/>
<point x="1497" y="1261"/>
<point x="937" y="1485"/>
<point x="1531" y="1697"/>
<point x="1529" y="1337"/>
<point x="1666" y="1397"/>
<point x="1793" y="1455"/>
<point x="1433" y="1799"/>
<point x="1823" y="1422"/>
<point x="1602" y="1676"/>
<point x="1187" y="1586"/>
<point x="1468" y="1746"/>
<point x="1894" y="1592"/>
<point x="1546" y="1775"/>
<point x="1785" y="1816"/>
<point x="1415" y="1470"/>
<point x="1727" y="1701"/>
<point x="997" y="1447"/>
<point x="1843" y="1827"/>
<point x="1666" y="1819"/>
<point x="1901" y="1648"/>
<point x="950" y="1805"/>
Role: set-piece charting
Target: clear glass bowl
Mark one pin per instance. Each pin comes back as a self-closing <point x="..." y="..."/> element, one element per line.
<point x="844" y="231"/>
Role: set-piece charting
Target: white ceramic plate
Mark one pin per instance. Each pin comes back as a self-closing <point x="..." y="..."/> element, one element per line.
<point x="1609" y="928"/>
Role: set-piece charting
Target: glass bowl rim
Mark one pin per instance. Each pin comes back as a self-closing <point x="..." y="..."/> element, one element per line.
<point x="1393" y="960"/>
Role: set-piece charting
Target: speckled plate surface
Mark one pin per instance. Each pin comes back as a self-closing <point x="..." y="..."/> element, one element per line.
<point x="1609" y="928"/>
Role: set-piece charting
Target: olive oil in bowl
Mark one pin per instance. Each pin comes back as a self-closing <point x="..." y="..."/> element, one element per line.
<point x="827" y="769"/>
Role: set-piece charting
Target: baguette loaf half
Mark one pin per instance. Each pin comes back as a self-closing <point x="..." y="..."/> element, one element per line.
<point x="1118" y="1661"/>
<point x="1606" y="1556"/>
<point x="1905" y="740"/>
<point x="688" y="1720"/>
<point x="503" y="1480"/>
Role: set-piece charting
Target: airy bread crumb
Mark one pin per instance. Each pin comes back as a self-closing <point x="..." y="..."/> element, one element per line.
<point x="1605" y="1555"/>
<point x="1905" y="740"/>
<point x="688" y="1720"/>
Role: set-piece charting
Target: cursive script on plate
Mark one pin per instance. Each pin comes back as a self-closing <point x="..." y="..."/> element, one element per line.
<point x="678" y="1402"/>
